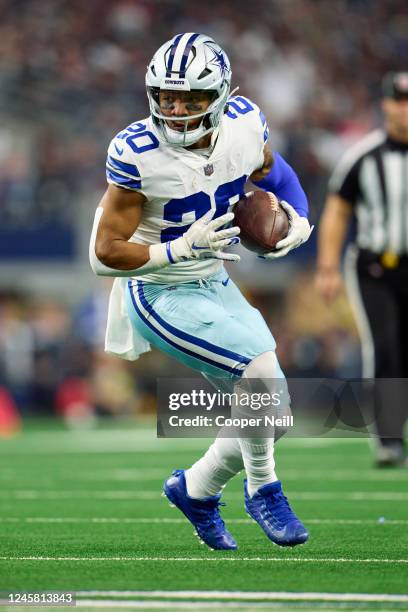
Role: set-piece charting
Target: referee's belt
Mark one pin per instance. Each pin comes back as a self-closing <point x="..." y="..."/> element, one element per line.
<point x="388" y="259"/>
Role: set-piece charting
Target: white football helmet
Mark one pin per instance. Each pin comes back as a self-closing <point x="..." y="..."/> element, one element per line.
<point x="189" y="62"/>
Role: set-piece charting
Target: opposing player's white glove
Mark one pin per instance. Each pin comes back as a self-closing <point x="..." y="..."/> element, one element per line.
<point x="299" y="232"/>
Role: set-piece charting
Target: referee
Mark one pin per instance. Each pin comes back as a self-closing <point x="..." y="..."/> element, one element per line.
<point x="371" y="185"/>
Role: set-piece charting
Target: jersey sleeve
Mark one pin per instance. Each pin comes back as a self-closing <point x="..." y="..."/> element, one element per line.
<point x="264" y="134"/>
<point x="123" y="169"/>
<point x="344" y="181"/>
<point x="247" y="111"/>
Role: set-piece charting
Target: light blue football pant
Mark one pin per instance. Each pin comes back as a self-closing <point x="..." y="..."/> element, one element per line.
<point x="209" y="326"/>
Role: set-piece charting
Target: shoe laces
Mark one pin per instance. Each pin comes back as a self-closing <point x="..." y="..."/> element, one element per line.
<point x="210" y="515"/>
<point x="277" y="504"/>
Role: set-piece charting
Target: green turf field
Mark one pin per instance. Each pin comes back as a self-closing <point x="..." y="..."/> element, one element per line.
<point x="82" y="511"/>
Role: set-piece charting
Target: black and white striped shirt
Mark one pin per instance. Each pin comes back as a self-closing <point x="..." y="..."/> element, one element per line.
<point x="373" y="177"/>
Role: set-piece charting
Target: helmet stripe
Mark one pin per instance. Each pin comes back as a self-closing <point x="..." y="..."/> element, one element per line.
<point x="186" y="53"/>
<point x="171" y="56"/>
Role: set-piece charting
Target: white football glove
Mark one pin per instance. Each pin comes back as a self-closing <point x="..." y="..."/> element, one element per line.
<point x="299" y="232"/>
<point x="203" y="241"/>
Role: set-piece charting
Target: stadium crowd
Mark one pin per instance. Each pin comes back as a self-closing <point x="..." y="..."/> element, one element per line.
<point x="72" y="75"/>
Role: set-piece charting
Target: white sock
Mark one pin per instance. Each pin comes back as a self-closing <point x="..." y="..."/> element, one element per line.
<point x="209" y="475"/>
<point x="257" y="453"/>
<point x="259" y="462"/>
<point x="227" y="456"/>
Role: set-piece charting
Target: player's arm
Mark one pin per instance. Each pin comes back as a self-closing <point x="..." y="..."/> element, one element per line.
<point x="117" y="218"/>
<point x="278" y="176"/>
<point x="266" y="167"/>
<point x="344" y="191"/>
<point x="332" y="233"/>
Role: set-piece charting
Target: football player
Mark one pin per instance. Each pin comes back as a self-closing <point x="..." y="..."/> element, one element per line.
<point x="165" y="222"/>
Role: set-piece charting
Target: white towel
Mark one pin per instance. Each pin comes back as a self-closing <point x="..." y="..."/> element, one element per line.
<point x="122" y="339"/>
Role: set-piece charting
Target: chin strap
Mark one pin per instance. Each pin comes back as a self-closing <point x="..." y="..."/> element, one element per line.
<point x="179" y="138"/>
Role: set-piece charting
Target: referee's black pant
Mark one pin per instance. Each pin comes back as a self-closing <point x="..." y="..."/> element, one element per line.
<point x="379" y="295"/>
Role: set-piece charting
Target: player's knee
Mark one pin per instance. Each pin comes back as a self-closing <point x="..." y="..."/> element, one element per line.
<point x="265" y="376"/>
<point x="264" y="366"/>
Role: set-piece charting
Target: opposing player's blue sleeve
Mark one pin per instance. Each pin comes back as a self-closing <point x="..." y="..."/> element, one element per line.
<point x="283" y="181"/>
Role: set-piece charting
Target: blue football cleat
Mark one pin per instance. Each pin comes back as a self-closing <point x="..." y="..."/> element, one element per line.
<point x="270" y="509"/>
<point x="202" y="513"/>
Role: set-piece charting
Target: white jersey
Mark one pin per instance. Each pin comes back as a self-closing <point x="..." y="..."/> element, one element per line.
<point x="181" y="185"/>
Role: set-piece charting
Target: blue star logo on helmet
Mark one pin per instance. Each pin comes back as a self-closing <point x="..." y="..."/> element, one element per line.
<point x="219" y="60"/>
<point x="189" y="62"/>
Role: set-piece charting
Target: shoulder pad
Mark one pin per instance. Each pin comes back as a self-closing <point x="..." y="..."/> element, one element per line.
<point x="125" y="161"/>
<point x="241" y="107"/>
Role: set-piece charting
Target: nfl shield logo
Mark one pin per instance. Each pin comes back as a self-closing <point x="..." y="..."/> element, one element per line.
<point x="208" y="169"/>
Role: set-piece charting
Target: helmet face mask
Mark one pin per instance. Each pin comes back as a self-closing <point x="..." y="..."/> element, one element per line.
<point x="188" y="63"/>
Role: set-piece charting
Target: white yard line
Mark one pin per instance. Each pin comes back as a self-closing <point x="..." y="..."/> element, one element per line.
<point x="178" y="521"/>
<point x="132" y="441"/>
<point x="217" y="605"/>
<point x="208" y="605"/>
<point x="34" y="494"/>
<point x="251" y="595"/>
<point x="126" y="475"/>
<point x="205" y="559"/>
<point x="136" y="475"/>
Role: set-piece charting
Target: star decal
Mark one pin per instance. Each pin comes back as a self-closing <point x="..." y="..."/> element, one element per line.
<point x="218" y="59"/>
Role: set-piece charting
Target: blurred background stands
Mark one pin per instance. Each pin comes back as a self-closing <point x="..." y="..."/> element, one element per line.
<point x="71" y="76"/>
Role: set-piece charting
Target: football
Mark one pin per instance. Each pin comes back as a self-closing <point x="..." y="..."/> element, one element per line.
<point x="262" y="221"/>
